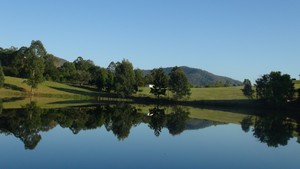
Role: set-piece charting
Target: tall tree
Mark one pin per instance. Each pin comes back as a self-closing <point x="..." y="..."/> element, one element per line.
<point x="83" y="75"/>
<point x="179" y="84"/>
<point x="67" y="72"/>
<point x="139" y="78"/>
<point x="35" y="63"/>
<point x="110" y="81"/>
<point x="1" y="77"/>
<point x="275" y="88"/>
<point x="247" y="90"/>
<point x="124" y="79"/>
<point x="51" y="72"/>
<point x="159" y="81"/>
<point x="99" y="76"/>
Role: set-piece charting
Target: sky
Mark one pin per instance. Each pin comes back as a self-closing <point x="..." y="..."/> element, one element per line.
<point x="241" y="39"/>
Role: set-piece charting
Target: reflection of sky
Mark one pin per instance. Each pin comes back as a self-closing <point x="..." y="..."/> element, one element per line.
<point x="224" y="146"/>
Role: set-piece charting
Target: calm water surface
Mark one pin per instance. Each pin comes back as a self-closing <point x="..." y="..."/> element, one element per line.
<point x="123" y="137"/>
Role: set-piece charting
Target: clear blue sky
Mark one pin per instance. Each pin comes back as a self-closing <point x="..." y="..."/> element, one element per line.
<point x="236" y="38"/>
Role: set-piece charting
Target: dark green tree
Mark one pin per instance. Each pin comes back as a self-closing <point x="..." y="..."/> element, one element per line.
<point x="159" y="81"/>
<point x="124" y="79"/>
<point x="82" y="77"/>
<point x="34" y="64"/>
<point x="83" y="67"/>
<point x="148" y="79"/>
<point x="98" y="77"/>
<point x="2" y="79"/>
<point x="110" y="81"/>
<point x="51" y="72"/>
<point x="178" y="83"/>
<point x="274" y="88"/>
<point x="139" y="78"/>
<point x="247" y="90"/>
<point x="67" y="72"/>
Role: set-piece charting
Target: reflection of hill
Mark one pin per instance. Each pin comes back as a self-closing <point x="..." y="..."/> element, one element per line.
<point x="195" y="124"/>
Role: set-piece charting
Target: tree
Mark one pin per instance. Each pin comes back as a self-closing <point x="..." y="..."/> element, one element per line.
<point x="159" y="81"/>
<point x="179" y="84"/>
<point x="34" y="64"/>
<point x="67" y="72"/>
<point x="139" y="78"/>
<point x="274" y="88"/>
<point x="1" y="77"/>
<point x="247" y="90"/>
<point x="124" y="79"/>
<point x="83" y="67"/>
<point x="99" y="76"/>
<point x="82" y="77"/>
<point x="110" y="81"/>
<point x="51" y="72"/>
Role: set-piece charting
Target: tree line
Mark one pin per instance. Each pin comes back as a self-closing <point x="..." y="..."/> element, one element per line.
<point x="272" y="89"/>
<point x="36" y="65"/>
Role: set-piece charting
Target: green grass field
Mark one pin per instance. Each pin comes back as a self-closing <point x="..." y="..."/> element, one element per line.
<point x="15" y="87"/>
<point x="213" y="93"/>
<point x="49" y="92"/>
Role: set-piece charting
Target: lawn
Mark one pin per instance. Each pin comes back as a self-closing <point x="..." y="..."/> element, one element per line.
<point x="15" y="87"/>
<point x="212" y="93"/>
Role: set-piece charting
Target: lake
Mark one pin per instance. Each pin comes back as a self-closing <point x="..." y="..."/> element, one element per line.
<point x="139" y="136"/>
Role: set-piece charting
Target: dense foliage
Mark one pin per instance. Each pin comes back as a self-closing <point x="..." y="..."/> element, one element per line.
<point x="179" y="84"/>
<point x="159" y="81"/>
<point x="275" y="88"/>
<point x="247" y="90"/>
<point x="124" y="79"/>
<point x="1" y="77"/>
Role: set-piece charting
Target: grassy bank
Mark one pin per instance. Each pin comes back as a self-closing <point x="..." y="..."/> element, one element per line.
<point x="51" y="91"/>
<point x="15" y="87"/>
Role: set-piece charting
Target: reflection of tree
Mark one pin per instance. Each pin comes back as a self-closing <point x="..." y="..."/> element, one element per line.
<point x="158" y="119"/>
<point x="176" y="120"/>
<point x="27" y="123"/>
<point x="121" y="118"/>
<point x="1" y="106"/>
<point x="24" y="124"/>
<point x="298" y="129"/>
<point x="246" y="123"/>
<point x="273" y="129"/>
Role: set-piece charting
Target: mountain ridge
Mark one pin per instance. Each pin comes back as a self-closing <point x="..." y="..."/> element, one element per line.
<point x="199" y="77"/>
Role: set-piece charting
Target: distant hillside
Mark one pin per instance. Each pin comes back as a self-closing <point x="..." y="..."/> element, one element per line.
<point x="58" y="62"/>
<point x="198" y="77"/>
<point x="195" y="124"/>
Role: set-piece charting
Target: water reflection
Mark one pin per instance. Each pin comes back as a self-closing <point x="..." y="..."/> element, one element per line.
<point x="274" y="129"/>
<point x="175" y="121"/>
<point x="28" y="122"/>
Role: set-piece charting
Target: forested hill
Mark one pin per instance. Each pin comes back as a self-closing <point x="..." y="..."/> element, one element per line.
<point x="199" y="77"/>
<point x="20" y="63"/>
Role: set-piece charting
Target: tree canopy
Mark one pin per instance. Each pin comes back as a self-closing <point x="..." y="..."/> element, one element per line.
<point x="1" y="77"/>
<point x="179" y="84"/>
<point x="247" y="90"/>
<point x="34" y="63"/>
<point x="159" y="81"/>
<point x="124" y="79"/>
<point x="275" y="88"/>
